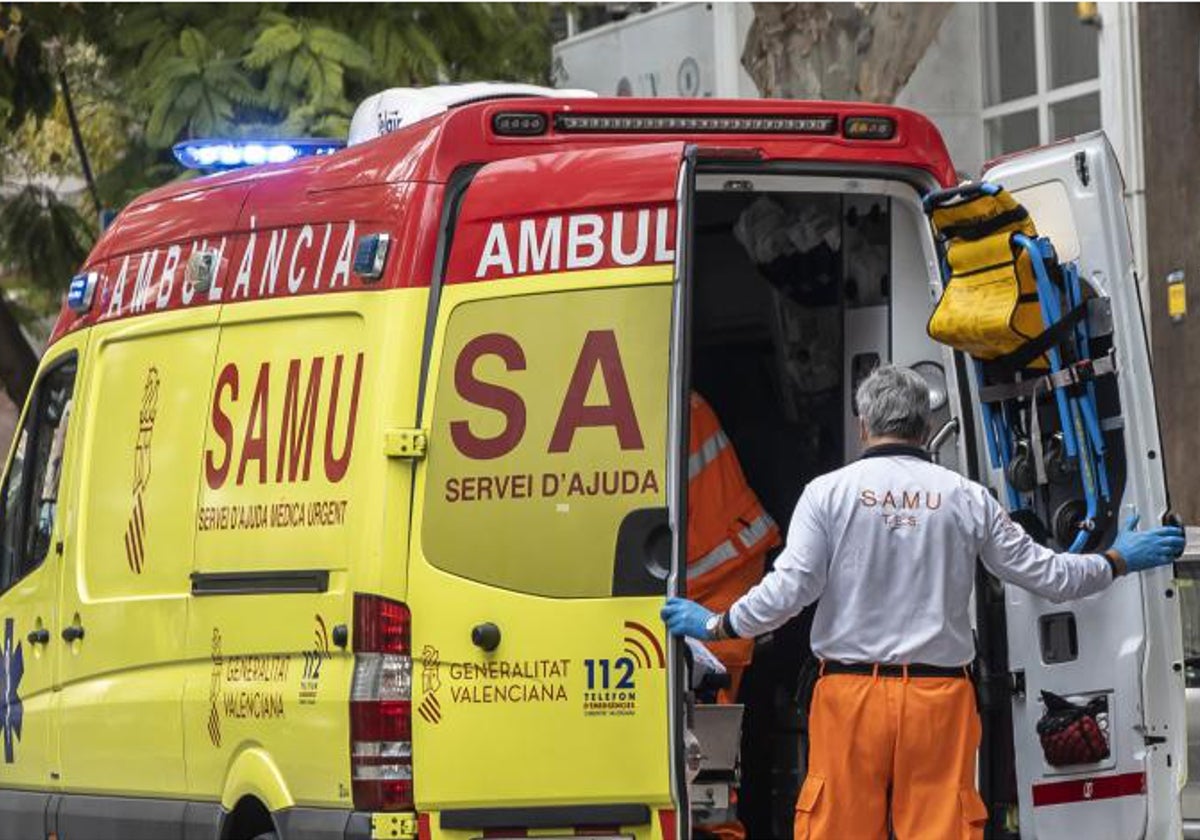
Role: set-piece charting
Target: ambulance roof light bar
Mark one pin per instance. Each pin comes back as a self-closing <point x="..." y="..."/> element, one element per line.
<point x="216" y="155"/>
<point x="853" y="127"/>
<point x="695" y="123"/>
<point x="397" y="108"/>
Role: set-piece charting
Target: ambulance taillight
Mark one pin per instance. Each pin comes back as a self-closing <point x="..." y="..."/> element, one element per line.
<point x="381" y="706"/>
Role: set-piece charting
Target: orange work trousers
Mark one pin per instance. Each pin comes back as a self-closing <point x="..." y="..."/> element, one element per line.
<point x="904" y="743"/>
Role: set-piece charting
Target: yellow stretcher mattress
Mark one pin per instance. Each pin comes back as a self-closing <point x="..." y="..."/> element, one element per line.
<point x="990" y="306"/>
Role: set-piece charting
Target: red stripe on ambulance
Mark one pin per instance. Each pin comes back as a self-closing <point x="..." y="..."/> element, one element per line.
<point x="251" y="265"/>
<point x="1085" y="790"/>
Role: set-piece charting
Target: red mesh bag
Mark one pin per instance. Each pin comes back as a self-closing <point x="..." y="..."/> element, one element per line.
<point x="1072" y="733"/>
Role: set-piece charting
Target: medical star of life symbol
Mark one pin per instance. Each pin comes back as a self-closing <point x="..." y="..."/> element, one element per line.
<point x="10" y="703"/>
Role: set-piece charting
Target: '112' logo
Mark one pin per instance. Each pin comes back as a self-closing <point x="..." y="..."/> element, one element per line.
<point x="606" y="669"/>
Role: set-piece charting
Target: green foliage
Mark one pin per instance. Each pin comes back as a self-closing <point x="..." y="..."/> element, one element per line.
<point x="42" y="238"/>
<point x="185" y="69"/>
<point x="305" y="64"/>
<point x="146" y="75"/>
<point x="195" y="92"/>
<point x="41" y="146"/>
<point x="276" y="69"/>
<point x="24" y="85"/>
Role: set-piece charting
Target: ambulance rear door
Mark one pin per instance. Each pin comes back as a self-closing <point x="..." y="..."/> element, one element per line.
<point x="1123" y="645"/>
<point x="542" y="549"/>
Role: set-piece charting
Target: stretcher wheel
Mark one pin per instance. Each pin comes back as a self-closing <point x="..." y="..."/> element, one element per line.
<point x="1021" y="472"/>
<point x="1067" y="520"/>
<point x="1060" y="467"/>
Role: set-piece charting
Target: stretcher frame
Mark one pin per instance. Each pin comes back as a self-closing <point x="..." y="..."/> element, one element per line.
<point x="1072" y="371"/>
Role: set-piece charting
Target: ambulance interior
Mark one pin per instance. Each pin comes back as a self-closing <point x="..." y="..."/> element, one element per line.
<point x="801" y="286"/>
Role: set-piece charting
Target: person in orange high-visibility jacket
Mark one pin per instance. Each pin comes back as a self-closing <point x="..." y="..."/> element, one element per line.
<point x="729" y="533"/>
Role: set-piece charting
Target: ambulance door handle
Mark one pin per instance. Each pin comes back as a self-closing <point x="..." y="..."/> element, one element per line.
<point x="39" y="636"/>
<point x="72" y="633"/>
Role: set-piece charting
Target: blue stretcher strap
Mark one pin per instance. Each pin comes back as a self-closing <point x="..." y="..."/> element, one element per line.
<point x="1080" y="372"/>
<point x="1060" y="332"/>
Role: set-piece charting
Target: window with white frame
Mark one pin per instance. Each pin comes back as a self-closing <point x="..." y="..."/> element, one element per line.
<point x="1041" y="75"/>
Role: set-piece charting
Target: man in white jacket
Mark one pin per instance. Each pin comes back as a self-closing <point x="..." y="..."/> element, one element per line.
<point x="888" y="544"/>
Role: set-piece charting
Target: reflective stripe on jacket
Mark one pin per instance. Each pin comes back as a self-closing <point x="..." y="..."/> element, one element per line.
<point x="729" y="533"/>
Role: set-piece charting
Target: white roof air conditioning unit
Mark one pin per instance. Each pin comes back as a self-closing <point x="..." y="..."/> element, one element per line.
<point x="397" y="108"/>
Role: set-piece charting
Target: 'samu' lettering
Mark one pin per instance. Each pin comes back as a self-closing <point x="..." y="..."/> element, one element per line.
<point x="216" y="472"/>
<point x="299" y="425"/>
<point x="293" y="441"/>
<point x="254" y="446"/>
<point x="335" y="465"/>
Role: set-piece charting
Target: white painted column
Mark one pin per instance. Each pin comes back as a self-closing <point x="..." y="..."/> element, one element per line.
<point x="1121" y="117"/>
<point x="727" y="49"/>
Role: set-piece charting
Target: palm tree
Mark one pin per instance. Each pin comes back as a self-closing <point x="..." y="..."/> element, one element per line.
<point x="196" y="91"/>
<point x="305" y="63"/>
<point x="188" y="69"/>
<point x="43" y="239"/>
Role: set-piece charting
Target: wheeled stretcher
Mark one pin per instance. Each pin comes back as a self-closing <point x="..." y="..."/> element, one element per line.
<point x="1023" y="318"/>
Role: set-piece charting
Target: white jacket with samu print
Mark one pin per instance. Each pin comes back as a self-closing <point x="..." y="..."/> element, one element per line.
<point x="888" y="544"/>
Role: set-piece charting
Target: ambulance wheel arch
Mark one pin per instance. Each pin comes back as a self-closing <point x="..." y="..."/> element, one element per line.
<point x="253" y="777"/>
<point x="249" y="820"/>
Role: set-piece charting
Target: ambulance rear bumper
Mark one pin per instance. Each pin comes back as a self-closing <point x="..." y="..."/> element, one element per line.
<point x="323" y="824"/>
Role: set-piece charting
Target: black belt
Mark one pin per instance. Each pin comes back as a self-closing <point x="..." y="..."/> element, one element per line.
<point x="830" y="666"/>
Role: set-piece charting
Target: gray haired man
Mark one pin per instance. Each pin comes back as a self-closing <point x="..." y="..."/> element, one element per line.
<point x="888" y="543"/>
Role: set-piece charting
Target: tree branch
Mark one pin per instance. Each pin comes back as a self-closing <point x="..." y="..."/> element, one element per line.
<point x="848" y="51"/>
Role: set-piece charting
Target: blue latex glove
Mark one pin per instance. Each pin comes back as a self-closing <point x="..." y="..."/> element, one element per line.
<point x="1143" y="550"/>
<point x="686" y="618"/>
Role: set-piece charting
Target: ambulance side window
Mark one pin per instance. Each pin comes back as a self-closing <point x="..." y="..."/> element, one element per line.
<point x="30" y="491"/>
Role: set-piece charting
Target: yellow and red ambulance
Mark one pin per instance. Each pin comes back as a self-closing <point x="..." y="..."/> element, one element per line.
<point x="350" y="487"/>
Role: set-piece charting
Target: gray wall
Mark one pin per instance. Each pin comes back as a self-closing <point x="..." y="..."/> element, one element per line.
<point x="1170" y="48"/>
<point x="947" y="87"/>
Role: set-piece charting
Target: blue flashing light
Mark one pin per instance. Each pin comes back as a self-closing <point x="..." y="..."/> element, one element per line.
<point x="81" y="291"/>
<point x="215" y="155"/>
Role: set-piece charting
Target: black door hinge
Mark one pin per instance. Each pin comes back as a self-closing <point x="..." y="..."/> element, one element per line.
<point x="1081" y="168"/>
<point x="1016" y="683"/>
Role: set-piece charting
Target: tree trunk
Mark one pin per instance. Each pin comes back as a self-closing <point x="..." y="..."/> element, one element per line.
<point x="847" y="51"/>
<point x="18" y="362"/>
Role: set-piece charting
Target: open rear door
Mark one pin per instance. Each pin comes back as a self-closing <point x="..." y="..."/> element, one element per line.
<point x="542" y="547"/>
<point x="1124" y="644"/>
